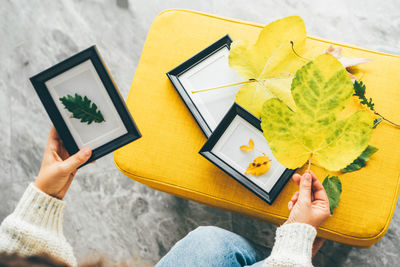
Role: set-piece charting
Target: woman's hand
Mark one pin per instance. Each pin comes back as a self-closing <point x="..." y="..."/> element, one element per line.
<point x="310" y="204"/>
<point x="58" y="168"/>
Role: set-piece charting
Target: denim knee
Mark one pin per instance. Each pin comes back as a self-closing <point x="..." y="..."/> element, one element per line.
<point x="211" y="232"/>
<point x="210" y="246"/>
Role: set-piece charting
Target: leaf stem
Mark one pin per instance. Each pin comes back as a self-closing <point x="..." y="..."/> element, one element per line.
<point x="259" y="151"/>
<point x="294" y="51"/>
<point x="359" y="91"/>
<point x="222" y="86"/>
<point x="378" y="114"/>
<point x="244" y="82"/>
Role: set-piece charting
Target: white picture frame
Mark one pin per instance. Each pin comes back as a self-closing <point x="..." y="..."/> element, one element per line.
<point x="208" y="69"/>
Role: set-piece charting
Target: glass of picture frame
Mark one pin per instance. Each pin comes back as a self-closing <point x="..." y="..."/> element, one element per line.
<point x="85" y="105"/>
<point x="223" y="149"/>
<point x="207" y="69"/>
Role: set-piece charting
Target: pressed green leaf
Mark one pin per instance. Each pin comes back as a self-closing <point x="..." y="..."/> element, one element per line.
<point x="321" y="89"/>
<point x="270" y="58"/>
<point x="361" y="161"/>
<point x="82" y="108"/>
<point x="333" y="188"/>
<point x="359" y="90"/>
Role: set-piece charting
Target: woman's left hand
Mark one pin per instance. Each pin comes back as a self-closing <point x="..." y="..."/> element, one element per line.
<point x="58" y="168"/>
<point x="309" y="205"/>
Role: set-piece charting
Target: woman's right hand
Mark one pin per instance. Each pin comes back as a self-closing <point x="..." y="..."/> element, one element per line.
<point x="310" y="204"/>
<point x="58" y="167"/>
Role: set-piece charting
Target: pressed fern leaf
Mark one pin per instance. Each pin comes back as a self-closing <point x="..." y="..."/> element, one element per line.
<point x="82" y="108"/>
<point x="359" y="90"/>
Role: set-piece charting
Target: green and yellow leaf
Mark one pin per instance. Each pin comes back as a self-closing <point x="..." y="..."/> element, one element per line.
<point x="321" y="89"/>
<point x="252" y="96"/>
<point x="280" y="88"/>
<point x="271" y="57"/>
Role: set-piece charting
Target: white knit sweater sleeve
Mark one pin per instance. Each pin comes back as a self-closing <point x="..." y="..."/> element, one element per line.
<point x="36" y="226"/>
<point x="293" y="246"/>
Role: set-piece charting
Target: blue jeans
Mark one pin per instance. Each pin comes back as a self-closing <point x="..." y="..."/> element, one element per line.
<point x="212" y="246"/>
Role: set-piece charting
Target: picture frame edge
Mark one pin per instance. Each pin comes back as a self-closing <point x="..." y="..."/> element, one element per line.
<point x="188" y="64"/>
<point x="38" y="82"/>
<point x="205" y="151"/>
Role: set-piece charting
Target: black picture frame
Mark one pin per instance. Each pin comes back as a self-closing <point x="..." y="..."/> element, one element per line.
<point x="174" y="74"/>
<point x="237" y="110"/>
<point x="92" y="54"/>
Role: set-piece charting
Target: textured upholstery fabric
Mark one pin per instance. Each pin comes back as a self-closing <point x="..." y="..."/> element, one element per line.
<point x="166" y="157"/>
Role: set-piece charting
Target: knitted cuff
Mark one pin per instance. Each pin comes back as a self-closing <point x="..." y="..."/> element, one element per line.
<point x="294" y="240"/>
<point x="38" y="208"/>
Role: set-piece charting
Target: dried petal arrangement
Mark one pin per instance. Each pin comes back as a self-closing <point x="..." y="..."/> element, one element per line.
<point x="299" y="95"/>
<point x="249" y="147"/>
<point x="260" y="164"/>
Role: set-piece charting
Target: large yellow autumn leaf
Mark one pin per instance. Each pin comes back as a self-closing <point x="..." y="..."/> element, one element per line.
<point x="271" y="62"/>
<point x="321" y="89"/>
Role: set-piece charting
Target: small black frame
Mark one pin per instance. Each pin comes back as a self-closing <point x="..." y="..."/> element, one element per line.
<point x="92" y="54"/>
<point x="237" y="110"/>
<point x="174" y="74"/>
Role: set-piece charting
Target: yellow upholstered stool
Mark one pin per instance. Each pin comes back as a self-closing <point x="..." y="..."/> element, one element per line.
<point x="166" y="158"/>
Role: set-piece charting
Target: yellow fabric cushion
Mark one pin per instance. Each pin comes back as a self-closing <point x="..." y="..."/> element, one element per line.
<point x="166" y="158"/>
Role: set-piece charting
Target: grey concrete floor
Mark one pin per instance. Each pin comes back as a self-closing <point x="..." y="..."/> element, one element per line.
<point x="108" y="214"/>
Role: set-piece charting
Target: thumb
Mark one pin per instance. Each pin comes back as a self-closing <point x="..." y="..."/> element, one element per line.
<point x="305" y="188"/>
<point x="78" y="158"/>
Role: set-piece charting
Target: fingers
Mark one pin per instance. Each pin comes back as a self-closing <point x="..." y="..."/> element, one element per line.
<point x="77" y="159"/>
<point x="319" y="190"/>
<point x="53" y="133"/>
<point x="53" y="140"/>
<point x="305" y="188"/>
<point x="62" y="151"/>
<point x="296" y="178"/>
<point x="293" y="201"/>
<point x="295" y="197"/>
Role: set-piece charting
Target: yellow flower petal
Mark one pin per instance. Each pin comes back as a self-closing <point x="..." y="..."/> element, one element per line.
<point x="259" y="166"/>
<point x="248" y="148"/>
